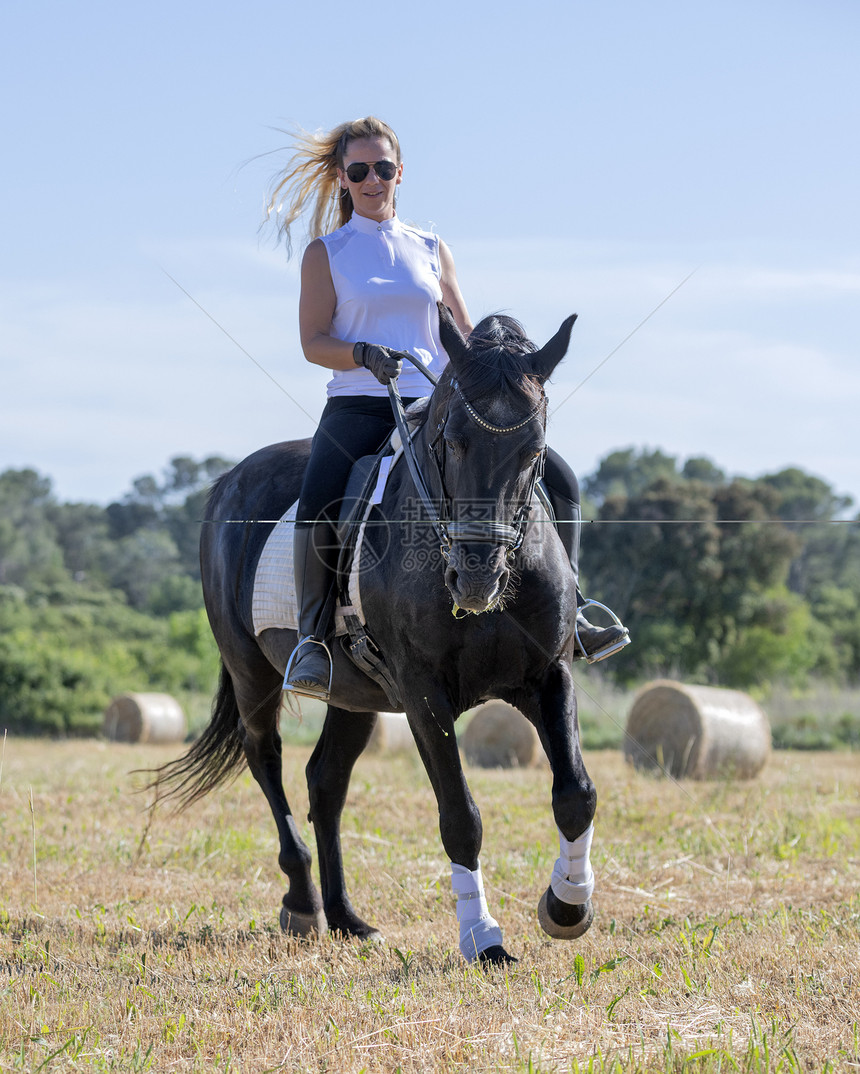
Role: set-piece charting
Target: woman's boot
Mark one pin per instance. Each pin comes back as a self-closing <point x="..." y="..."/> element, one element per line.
<point x="309" y="670"/>
<point x="592" y="643"/>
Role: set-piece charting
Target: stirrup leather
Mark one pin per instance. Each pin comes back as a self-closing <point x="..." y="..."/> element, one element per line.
<point x="320" y="692"/>
<point x="608" y="650"/>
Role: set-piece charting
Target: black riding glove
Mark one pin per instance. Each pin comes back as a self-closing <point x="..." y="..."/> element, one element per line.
<point x="383" y="363"/>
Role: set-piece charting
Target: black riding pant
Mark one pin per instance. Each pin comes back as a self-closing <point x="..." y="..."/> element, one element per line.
<point x="350" y="426"/>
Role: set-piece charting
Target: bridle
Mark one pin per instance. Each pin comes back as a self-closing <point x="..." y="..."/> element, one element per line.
<point x="480" y="531"/>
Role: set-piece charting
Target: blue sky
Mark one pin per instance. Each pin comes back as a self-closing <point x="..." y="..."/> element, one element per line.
<point x="574" y="156"/>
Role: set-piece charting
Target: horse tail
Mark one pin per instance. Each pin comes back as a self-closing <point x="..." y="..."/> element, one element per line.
<point x="217" y="756"/>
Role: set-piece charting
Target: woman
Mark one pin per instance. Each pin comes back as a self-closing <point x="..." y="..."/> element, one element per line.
<point x="369" y="289"/>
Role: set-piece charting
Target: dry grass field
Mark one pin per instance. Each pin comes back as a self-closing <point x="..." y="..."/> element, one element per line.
<point x="727" y="934"/>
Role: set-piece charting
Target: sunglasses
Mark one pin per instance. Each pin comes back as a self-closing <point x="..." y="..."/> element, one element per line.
<point x="385" y="170"/>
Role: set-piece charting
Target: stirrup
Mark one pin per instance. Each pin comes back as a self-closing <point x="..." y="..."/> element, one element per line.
<point x="607" y="650"/>
<point x="314" y="690"/>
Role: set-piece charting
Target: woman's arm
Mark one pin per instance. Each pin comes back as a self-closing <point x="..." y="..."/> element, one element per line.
<point x="451" y="291"/>
<point x="317" y="304"/>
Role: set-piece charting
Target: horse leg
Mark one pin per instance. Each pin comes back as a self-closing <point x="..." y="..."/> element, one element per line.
<point x="460" y="827"/>
<point x="259" y="699"/>
<point x="344" y="736"/>
<point x="565" y="911"/>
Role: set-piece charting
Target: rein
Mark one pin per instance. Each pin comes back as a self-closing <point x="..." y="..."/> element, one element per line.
<point x="414" y="469"/>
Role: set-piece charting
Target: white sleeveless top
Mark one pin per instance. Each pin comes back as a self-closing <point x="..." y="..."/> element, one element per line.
<point x="386" y="278"/>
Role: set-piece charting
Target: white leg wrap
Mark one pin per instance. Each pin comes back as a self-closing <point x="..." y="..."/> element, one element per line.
<point x="478" y="930"/>
<point x="572" y="878"/>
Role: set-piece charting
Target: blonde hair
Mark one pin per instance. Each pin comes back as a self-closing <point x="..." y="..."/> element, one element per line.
<point x="310" y="181"/>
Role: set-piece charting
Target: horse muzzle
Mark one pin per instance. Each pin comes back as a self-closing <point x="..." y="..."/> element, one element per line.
<point x="477" y="576"/>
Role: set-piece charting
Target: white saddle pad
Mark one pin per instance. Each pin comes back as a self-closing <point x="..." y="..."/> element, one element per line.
<point x="274" y="603"/>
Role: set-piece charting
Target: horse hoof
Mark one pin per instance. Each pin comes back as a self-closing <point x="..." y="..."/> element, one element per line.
<point x="563" y="932"/>
<point x="296" y="923"/>
<point x="345" y="924"/>
<point x="365" y="935"/>
<point x="495" y="956"/>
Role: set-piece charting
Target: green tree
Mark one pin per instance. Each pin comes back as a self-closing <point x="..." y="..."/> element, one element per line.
<point x="825" y="572"/>
<point x="702" y="469"/>
<point x="77" y="585"/>
<point x="66" y="652"/>
<point x="651" y="558"/>
<point x="777" y="640"/>
<point x="28" y="547"/>
<point x="173" y="505"/>
<point x="629" y="473"/>
<point x="688" y="582"/>
<point x="82" y="532"/>
<point x="803" y="497"/>
<point x="141" y="563"/>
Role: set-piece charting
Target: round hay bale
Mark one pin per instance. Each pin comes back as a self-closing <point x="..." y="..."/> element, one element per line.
<point x="144" y="718"/>
<point x="391" y="734"/>
<point x="697" y="731"/>
<point x="499" y="736"/>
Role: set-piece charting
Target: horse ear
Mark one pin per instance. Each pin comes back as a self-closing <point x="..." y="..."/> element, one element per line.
<point x="452" y="338"/>
<point x="548" y="357"/>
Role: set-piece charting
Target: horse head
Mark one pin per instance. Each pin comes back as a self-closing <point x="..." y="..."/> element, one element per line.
<point x="486" y="433"/>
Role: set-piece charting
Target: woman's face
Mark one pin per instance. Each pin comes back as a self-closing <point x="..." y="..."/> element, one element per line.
<point x="371" y="197"/>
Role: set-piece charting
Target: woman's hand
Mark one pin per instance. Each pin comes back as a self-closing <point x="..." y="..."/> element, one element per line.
<point x="383" y="363"/>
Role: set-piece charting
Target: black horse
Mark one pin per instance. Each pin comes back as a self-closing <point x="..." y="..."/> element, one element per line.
<point x="488" y="552"/>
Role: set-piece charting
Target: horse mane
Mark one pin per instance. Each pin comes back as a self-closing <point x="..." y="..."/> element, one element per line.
<point x="500" y="361"/>
<point x="215" y="491"/>
<point x="416" y="413"/>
